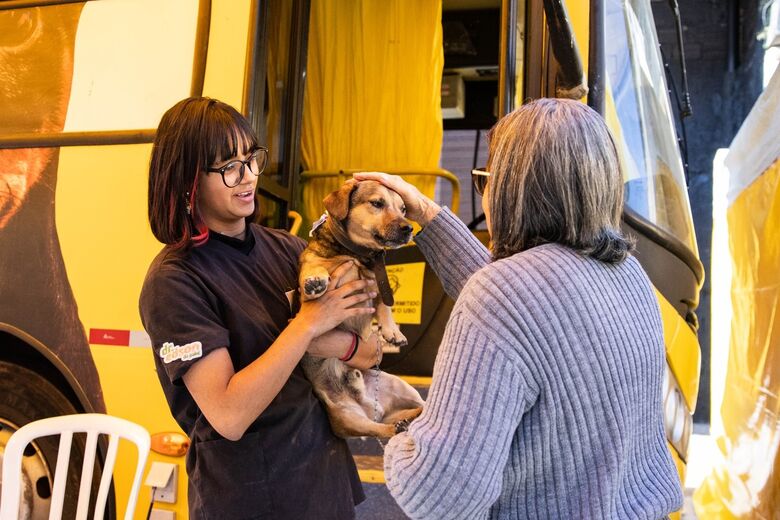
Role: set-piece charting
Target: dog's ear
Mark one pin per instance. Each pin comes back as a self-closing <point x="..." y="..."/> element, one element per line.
<point x="337" y="203"/>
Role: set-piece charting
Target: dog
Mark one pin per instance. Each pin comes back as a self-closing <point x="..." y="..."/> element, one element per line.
<point x="362" y="220"/>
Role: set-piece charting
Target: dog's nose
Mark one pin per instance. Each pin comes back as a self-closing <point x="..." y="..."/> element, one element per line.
<point x="406" y="228"/>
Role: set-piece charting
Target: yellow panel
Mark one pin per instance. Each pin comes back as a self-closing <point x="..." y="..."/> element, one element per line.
<point x="130" y="66"/>
<point x="682" y="351"/>
<point x="107" y="246"/>
<point x="104" y="232"/>
<point x="132" y="391"/>
<point x="225" y="63"/>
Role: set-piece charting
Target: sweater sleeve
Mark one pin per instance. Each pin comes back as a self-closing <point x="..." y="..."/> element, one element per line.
<point x="450" y="462"/>
<point x="452" y="251"/>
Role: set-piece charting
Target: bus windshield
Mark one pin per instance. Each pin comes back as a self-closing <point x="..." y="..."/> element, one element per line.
<point x="655" y="185"/>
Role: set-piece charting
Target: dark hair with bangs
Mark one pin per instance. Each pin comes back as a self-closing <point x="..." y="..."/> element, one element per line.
<point x="555" y="178"/>
<point x="192" y="135"/>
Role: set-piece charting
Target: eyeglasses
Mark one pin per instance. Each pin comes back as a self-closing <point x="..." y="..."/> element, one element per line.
<point x="233" y="172"/>
<point x="480" y="178"/>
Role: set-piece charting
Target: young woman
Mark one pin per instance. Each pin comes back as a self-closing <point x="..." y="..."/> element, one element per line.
<point x="217" y="303"/>
<point x="546" y="396"/>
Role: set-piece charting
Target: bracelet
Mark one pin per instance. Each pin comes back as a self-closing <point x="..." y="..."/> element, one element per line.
<point x="352" y="349"/>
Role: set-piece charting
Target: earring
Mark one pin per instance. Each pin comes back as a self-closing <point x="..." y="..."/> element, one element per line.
<point x="189" y="208"/>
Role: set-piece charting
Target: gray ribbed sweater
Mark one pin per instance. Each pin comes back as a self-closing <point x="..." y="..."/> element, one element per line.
<point x="546" y="394"/>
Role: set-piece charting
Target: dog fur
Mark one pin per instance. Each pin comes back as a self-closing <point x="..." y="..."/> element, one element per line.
<point x="359" y="403"/>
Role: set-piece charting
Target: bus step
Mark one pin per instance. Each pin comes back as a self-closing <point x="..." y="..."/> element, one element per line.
<point x="370" y="468"/>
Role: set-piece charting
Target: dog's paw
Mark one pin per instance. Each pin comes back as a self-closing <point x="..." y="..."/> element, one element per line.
<point x="315" y="286"/>
<point x="402" y="425"/>
<point x="394" y="336"/>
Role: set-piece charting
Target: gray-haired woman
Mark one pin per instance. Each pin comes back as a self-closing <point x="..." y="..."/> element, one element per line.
<point x="546" y="394"/>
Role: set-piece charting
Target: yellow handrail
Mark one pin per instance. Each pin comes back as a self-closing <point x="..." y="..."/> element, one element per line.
<point x="297" y="220"/>
<point x="344" y="175"/>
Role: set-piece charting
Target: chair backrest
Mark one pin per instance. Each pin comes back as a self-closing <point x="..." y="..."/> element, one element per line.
<point x="65" y="426"/>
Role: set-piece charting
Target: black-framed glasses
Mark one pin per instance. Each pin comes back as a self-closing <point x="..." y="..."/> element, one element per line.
<point x="233" y="172"/>
<point x="479" y="177"/>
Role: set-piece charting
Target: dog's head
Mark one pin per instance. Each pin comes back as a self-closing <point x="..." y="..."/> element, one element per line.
<point x="373" y="215"/>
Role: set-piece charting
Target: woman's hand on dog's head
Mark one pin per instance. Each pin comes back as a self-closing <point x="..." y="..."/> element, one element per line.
<point x="419" y="208"/>
<point x="338" y="303"/>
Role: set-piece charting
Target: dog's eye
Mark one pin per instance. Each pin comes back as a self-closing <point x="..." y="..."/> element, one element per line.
<point x="378" y="204"/>
<point x="403" y="210"/>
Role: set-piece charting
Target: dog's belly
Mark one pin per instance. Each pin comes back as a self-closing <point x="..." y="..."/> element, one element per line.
<point x="333" y="380"/>
<point x="353" y="410"/>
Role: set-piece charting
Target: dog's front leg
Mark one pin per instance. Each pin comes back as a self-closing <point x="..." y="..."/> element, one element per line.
<point x="388" y="327"/>
<point x="314" y="280"/>
<point x="314" y="277"/>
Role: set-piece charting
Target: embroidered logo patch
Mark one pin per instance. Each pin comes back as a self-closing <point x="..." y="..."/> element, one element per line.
<point x="170" y="352"/>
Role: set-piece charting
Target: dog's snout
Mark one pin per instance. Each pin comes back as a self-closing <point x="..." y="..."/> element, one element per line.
<point x="406" y="228"/>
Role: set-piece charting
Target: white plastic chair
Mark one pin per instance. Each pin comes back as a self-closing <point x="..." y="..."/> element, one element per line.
<point x="93" y="424"/>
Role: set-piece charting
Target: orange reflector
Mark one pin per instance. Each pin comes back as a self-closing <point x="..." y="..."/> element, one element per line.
<point x="173" y="444"/>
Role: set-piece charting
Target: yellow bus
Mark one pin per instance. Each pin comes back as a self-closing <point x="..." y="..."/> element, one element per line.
<point x="83" y="85"/>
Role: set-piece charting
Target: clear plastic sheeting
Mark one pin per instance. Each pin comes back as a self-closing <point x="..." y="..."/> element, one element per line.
<point x="373" y="92"/>
<point x="746" y="483"/>
<point x="655" y="185"/>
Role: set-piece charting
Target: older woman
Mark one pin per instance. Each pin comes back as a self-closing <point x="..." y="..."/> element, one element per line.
<point x="546" y="394"/>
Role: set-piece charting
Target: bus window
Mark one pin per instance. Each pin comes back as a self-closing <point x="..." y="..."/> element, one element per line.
<point x="655" y="184"/>
<point x="129" y="66"/>
<point x="277" y="58"/>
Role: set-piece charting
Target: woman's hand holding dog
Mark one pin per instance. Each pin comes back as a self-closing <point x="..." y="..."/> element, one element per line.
<point x="419" y="208"/>
<point x="337" y="304"/>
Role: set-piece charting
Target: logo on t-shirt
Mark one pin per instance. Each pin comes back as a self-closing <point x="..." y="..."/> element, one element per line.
<point x="170" y="352"/>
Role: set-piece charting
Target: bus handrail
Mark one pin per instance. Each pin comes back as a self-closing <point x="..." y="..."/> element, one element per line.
<point x="344" y="175"/>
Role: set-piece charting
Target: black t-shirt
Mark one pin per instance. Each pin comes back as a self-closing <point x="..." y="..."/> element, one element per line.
<point x="236" y="295"/>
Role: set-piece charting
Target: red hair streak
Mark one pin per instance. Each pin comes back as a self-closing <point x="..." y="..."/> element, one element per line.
<point x="200" y="226"/>
<point x="190" y="239"/>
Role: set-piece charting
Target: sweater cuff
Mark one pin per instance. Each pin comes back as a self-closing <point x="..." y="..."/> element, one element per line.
<point x="400" y="447"/>
<point x="441" y="231"/>
<point x="451" y="250"/>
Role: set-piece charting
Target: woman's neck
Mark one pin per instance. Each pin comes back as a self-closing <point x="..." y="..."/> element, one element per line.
<point x="238" y="231"/>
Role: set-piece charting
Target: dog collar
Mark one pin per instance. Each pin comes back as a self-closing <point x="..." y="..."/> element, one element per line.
<point x="377" y="257"/>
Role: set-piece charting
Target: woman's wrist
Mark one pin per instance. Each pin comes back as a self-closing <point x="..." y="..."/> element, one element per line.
<point x="429" y="211"/>
<point x="368" y="354"/>
<point x="301" y="330"/>
<point x="352" y="350"/>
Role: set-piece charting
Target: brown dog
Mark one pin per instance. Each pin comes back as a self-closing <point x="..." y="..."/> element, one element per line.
<point x="363" y="219"/>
